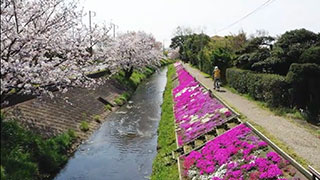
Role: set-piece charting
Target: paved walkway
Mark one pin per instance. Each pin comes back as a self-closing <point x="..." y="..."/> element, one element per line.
<point x="297" y="138"/>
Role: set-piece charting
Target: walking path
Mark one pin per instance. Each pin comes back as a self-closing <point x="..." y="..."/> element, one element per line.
<point x="297" y="138"/>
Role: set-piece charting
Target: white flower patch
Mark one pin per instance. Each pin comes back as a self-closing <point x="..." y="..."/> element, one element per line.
<point x="206" y="177"/>
<point x="206" y="118"/>
<point x="193" y="88"/>
<point x="181" y="92"/>
<point x="192" y="173"/>
<point x="223" y="110"/>
<point x="221" y="171"/>
<point x="257" y="152"/>
<point x="194" y="118"/>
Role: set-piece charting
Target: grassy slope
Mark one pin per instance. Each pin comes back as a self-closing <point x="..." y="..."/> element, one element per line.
<point x="131" y="84"/>
<point x="135" y="79"/>
<point x="26" y="155"/>
<point x="163" y="167"/>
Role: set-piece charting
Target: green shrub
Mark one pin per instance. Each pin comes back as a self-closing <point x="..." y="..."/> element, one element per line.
<point x="119" y="101"/>
<point x="311" y="55"/>
<point x="270" y="88"/>
<point x="3" y="175"/>
<point x="120" y="78"/>
<point x="18" y="163"/>
<point x="49" y="156"/>
<point x="72" y="133"/>
<point x="165" y="62"/>
<point x="97" y="118"/>
<point x="52" y="153"/>
<point x="135" y="78"/>
<point x="108" y="107"/>
<point x="84" y="126"/>
<point x="123" y="98"/>
<point x="305" y="87"/>
<point x="25" y="155"/>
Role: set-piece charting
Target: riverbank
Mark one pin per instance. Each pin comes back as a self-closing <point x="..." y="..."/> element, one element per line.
<point x="28" y="151"/>
<point x="163" y="166"/>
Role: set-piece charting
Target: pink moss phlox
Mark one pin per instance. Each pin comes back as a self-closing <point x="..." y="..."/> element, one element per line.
<point x="272" y="172"/>
<point x="236" y="142"/>
<point x="274" y="157"/>
<point x="262" y="144"/>
<point x="193" y="103"/>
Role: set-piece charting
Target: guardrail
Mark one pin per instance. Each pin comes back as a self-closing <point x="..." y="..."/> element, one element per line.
<point x="315" y="174"/>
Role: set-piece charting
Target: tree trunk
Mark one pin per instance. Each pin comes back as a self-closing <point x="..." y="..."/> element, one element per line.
<point x="128" y="73"/>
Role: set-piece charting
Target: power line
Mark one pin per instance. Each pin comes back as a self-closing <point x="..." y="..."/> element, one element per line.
<point x="268" y="2"/>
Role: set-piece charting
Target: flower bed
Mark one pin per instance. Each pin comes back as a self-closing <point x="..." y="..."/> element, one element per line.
<point x="237" y="154"/>
<point x="195" y="111"/>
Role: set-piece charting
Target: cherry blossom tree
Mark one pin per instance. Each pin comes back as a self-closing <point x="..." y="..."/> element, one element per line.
<point x="173" y="53"/>
<point x="45" y="45"/>
<point x="134" y="50"/>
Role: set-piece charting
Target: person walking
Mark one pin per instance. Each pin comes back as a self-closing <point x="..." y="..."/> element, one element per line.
<point x="216" y="78"/>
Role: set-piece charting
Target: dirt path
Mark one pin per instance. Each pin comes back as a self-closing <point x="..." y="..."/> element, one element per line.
<point x="305" y="144"/>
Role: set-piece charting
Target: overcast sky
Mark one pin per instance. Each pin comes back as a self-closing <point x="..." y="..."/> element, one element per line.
<point x="161" y="17"/>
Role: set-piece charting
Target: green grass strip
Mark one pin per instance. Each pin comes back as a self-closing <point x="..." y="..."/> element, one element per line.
<point x="163" y="166"/>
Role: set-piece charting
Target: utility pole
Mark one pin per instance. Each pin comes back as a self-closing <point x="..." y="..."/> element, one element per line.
<point x="163" y="46"/>
<point x="114" y="29"/>
<point x="90" y="31"/>
<point x="183" y="53"/>
<point x="201" y="45"/>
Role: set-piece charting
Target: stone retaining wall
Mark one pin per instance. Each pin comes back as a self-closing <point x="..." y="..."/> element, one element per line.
<point x="49" y="117"/>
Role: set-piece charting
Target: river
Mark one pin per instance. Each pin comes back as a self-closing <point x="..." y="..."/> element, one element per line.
<point x="125" y="145"/>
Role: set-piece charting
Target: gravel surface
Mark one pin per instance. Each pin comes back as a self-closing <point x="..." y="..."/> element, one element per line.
<point x="305" y="144"/>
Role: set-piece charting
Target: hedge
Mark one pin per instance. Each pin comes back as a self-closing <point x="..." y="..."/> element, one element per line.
<point x="270" y="88"/>
<point x="305" y="87"/>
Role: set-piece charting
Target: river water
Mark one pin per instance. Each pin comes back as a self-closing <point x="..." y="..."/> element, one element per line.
<point x="125" y="145"/>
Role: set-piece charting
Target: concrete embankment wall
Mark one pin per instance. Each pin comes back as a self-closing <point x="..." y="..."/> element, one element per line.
<point x="49" y="117"/>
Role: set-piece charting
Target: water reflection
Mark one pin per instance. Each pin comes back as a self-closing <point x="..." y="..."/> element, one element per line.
<point x="124" y="147"/>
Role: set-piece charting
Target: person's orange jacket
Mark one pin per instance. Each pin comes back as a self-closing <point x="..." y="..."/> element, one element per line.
<point x="216" y="73"/>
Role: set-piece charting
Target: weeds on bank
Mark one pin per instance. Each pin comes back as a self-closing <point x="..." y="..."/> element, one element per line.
<point x="84" y="126"/>
<point x="97" y="118"/>
<point x="108" y="107"/>
<point x="26" y="155"/>
<point x="162" y="166"/>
